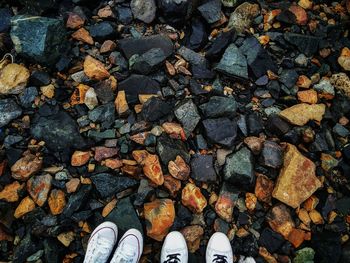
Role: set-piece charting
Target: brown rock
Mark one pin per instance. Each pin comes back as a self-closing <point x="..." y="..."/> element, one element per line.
<point x="48" y="91"/>
<point x="113" y="163"/>
<point x="306" y="4"/>
<point x="300" y="14"/>
<point x="173" y="185"/>
<point x="341" y="82"/>
<point x="296" y="237"/>
<point x="160" y="216"/>
<point x="254" y="144"/>
<point x="57" y="201"/>
<point x="121" y="104"/>
<point x="179" y="169"/>
<point x="193" y="198"/>
<point x="24" y="207"/>
<point x="193" y="236"/>
<point x="225" y="204"/>
<point x="344" y="59"/>
<point x="297" y="180"/>
<point x="10" y="192"/>
<point x="263" y="188"/>
<point x="316" y="217"/>
<point x="243" y="15"/>
<point x="308" y="96"/>
<point x="80" y="158"/>
<point x="72" y="185"/>
<point x="109" y="207"/>
<point x="39" y="187"/>
<point x="102" y="153"/>
<point x="140" y="137"/>
<point x="311" y="203"/>
<point x="74" y="21"/>
<point x="304" y="82"/>
<point x="13" y="79"/>
<point x="304" y="216"/>
<point x="4" y="236"/>
<point x="95" y="69"/>
<point x="66" y="238"/>
<point x="151" y="165"/>
<point x="280" y="220"/>
<point x="108" y="46"/>
<point x="300" y="114"/>
<point x="266" y="255"/>
<point x="250" y="201"/>
<point x="83" y="35"/>
<point x="26" y="167"/>
<point x="3" y="165"/>
<point x="175" y="130"/>
<point x="105" y="12"/>
<point x="170" y="68"/>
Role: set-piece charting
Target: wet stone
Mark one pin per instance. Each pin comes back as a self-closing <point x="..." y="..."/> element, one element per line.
<point x="222" y="131"/>
<point x="9" y="110"/>
<point x="219" y="107"/>
<point x="76" y="200"/>
<point x="193" y="198"/>
<point x="186" y="112"/>
<point x="26" y="166"/>
<point x="202" y="168"/>
<point x="179" y="168"/>
<point x="195" y="35"/>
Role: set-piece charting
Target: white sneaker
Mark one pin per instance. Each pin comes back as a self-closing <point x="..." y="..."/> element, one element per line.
<point x="174" y="249"/>
<point x="219" y="249"/>
<point x="101" y="243"/>
<point x="130" y="248"/>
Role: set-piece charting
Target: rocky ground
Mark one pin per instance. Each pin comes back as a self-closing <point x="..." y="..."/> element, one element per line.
<point x="197" y="116"/>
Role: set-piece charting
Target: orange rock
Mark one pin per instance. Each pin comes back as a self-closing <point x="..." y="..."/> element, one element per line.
<point x="311" y="203"/>
<point x="225" y="204"/>
<point x="160" y="216"/>
<point x="263" y="188"/>
<point x="39" y="187"/>
<point x="80" y="158"/>
<point x="344" y="59"/>
<point x="266" y="255"/>
<point x="264" y="40"/>
<point x="109" y="207"/>
<point x="304" y="82"/>
<point x="297" y="180"/>
<point x="150" y="164"/>
<point x="57" y="201"/>
<point x="66" y="238"/>
<point x="316" y="217"/>
<point x="83" y="35"/>
<point x="280" y="220"/>
<point x="296" y="237"/>
<point x="302" y="113"/>
<point x="95" y="69"/>
<point x="113" y="163"/>
<point x="10" y="192"/>
<point x="193" y="236"/>
<point x="74" y="21"/>
<point x="174" y="129"/>
<point x="179" y="168"/>
<point x="105" y="12"/>
<point x="26" y="167"/>
<point x="78" y="96"/>
<point x="170" y="68"/>
<point x="304" y="216"/>
<point x="140" y="137"/>
<point x="173" y="185"/>
<point x="102" y="153"/>
<point x="24" y="207"/>
<point x="108" y="46"/>
<point x="308" y="96"/>
<point x="3" y="165"/>
<point x="250" y="201"/>
<point x="193" y="198"/>
<point x="300" y="14"/>
<point x="121" y="104"/>
<point x="306" y="4"/>
<point x="72" y="185"/>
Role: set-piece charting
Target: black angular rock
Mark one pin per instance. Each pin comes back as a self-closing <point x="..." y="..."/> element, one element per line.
<point x="271" y="155"/>
<point x="219" y="44"/>
<point x="104" y="114"/>
<point x="138" y="84"/>
<point x="202" y="168"/>
<point x="37" y="7"/>
<point x="40" y="78"/>
<point x="9" y="110"/>
<point x="211" y="11"/>
<point x="132" y="46"/>
<point x="107" y="184"/>
<point x="143" y="193"/>
<point x="148" y="61"/>
<point x="255" y="123"/>
<point x="76" y="200"/>
<point x="258" y="59"/>
<point x="222" y="131"/>
<point x="186" y="112"/>
<point x="41" y="39"/>
<point x="52" y="250"/>
<point x="239" y="168"/>
<point x="219" y="107"/>
<point x="104" y="92"/>
<point x="124" y="14"/>
<point x="304" y="43"/>
<point x="168" y="149"/>
<point x="102" y="31"/>
<point x="287" y="17"/>
<point x="26" y="247"/>
<point x="5" y="21"/>
<point x="155" y="108"/>
<point x="327" y="246"/>
<point x="276" y="125"/>
<point x="289" y="77"/>
<point x="195" y="35"/>
<point x="174" y="12"/>
<point x="125" y="216"/>
<point x="183" y="218"/>
<point x="271" y="240"/>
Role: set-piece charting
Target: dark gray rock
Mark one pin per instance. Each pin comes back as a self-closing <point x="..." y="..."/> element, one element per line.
<point x="41" y="39"/>
<point x="53" y="251"/>
<point x="202" y="168"/>
<point x="102" y="31"/>
<point x="104" y="114"/>
<point x="195" y="35"/>
<point x="168" y="149"/>
<point x="340" y="130"/>
<point x="233" y="63"/>
<point x="108" y="184"/>
<point x="174" y="12"/>
<point x="5" y="21"/>
<point x="124" y="14"/>
<point x="76" y="200"/>
<point x="138" y="84"/>
<point x="9" y="110"/>
<point x="222" y="131"/>
<point x="40" y="78"/>
<point x="124" y="216"/>
<point x="239" y="168"/>
<point x="211" y="11"/>
<point x="219" y="44"/>
<point x="186" y="112"/>
<point x="148" y="61"/>
<point x="26" y="247"/>
<point x="37" y="7"/>
<point x="144" y="10"/>
<point x="306" y="44"/>
<point x="277" y="126"/>
<point x="132" y="46"/>
<point x="255" y="123"/>
<point x="155" y="108"/>
<point x="219" y="107"/>
<point x="143" y="193"/>
<point x="271" y="155"/>
<point x="271" y="240"/>
<point x="288" y="77"/>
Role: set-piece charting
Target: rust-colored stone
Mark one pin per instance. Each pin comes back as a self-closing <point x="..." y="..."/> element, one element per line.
<point x="280" y="220"/>
<point x="344" y="59"/>
<point x="72" y="185"/>
<point x="78" y="96"/>
<point x="13" y="79"/>
<point x="121" y="105"/>
<point x="3" y="165"/>
<point x="179" y="169"/>
<point x="66" y="238"/>
<point x="108" y="46"/>
<point x="304" y="82"/>
<point x="102" y="153"/>
<point x="263" y="188"/>
<point x="316" y="217"/>
<point x="297" y="180"/>
<point x="175" y="130"/>
<point x="250" y="201"/>
<point x="306" y="4"/>
<point x="26" y="167"/>
<point x="4" y="236"/>
<point x="38" y="188"/>
<point x="300" y="14"/>
<point x="296" y="237"/>
<point x="57" y="201"/>
<point x="266" y="255"/>
<point x="254" y="144"/>
<point x="79" y="158"/>
<point x="151" y="165"/>
<point x="74" y="21"/>
<point x="83" y="35"/>
<point x="311" y="203"/>
<point x="300" y="114"/>
<point x="304" y="216"/>
<point x="95" y="69"/>
<point x="109" y="207"/>
<point x="308" y="96"/>
<point x="160" y="216"/>
<point x="193" y="198"/>
<point x="10" y="192"/>
<point x="140" y="137"/>
<point x="105" y="12"/>
<point x="225" y="204"/>
<point x="173" y="185"/>
<point x="24" y="207"/>
<point x="113" y="163"/>
<point x="193" y="236"/>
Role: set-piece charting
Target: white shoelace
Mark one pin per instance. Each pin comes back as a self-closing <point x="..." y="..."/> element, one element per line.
<point x="126" y="254"/>
<point x="101" y="251"/>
